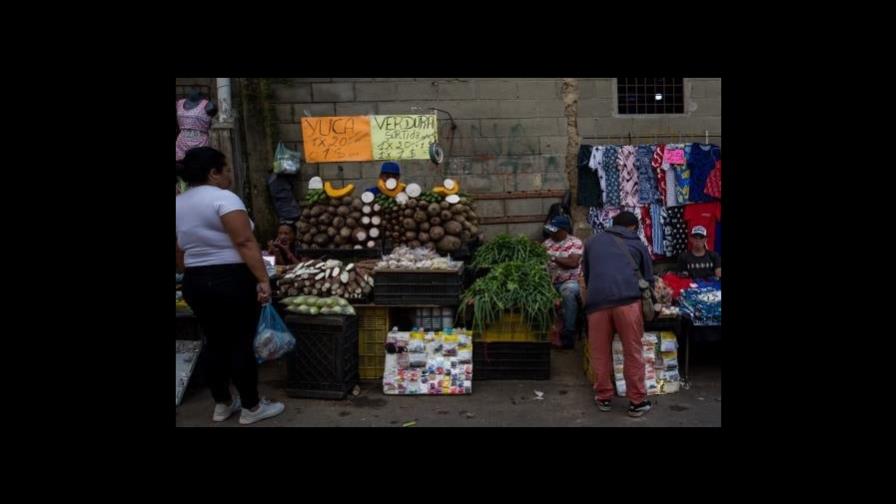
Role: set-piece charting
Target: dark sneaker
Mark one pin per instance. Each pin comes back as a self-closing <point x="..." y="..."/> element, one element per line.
<point x="636" y="410"/>
<point x="602" y="405"/>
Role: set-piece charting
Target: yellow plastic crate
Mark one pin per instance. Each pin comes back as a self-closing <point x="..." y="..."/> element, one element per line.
<point x="373" y="325"/>
<point x="511" y="327"/>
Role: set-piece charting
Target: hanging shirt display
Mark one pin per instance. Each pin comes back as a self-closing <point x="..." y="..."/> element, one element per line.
<point x="657" y="163"/>
<point x="628" y="177"/>
<point x="589" y="193"/>
<point x="656" y="216"/>
<point x="596" y="157"/>
<point x="641" y="227"/>
<point x="647" y="224"/>
<point x="676" y="233"/>
<point x="597" y="164"/>
<point x="682" y="184"/>
<point x="671" y="188"/>
<point x="701" y="161"/>
<point x="611" y="168"/>
<point x="706" y="215"/>
<point x="194" y="125"/>
<point x="646" y="176"/>
<point x="714" y="182"/>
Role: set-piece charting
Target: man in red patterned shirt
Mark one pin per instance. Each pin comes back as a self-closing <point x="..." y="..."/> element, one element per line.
<point x="566" y="252"/>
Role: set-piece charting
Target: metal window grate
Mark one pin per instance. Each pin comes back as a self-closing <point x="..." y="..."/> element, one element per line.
<point x="650" y="95"/>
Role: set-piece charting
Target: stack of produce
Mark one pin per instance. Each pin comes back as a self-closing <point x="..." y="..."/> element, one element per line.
<point x="518" y="281"/>
<point x="313" y="305"/>
<point x="332" y="218"/>
<point x="521" y="286"/>
<point x="317" y="277"/>
<point x="421" y="258"/>
<point x="506" y="248"/>
<point x="437" y="220"/>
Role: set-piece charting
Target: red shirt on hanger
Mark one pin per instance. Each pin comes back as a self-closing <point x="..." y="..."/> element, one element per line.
<point x="706" y="215"/>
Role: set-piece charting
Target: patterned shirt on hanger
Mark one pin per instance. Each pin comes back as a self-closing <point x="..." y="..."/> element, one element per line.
<point x="675" y="231"/>
<point x="714" y="182"/>
<point x="656" y="215"/>
<point x="657" y="163"/>
<point x="597" y="163"/>
<point x="647" y="225"/>
<point x="647" y="184"/>
<point x="612" y="198"/>
<point x="682" y="184"/>
<point x="701" y="161"/>
<point x="628" y="177"/>
<point x="671" y="189"/>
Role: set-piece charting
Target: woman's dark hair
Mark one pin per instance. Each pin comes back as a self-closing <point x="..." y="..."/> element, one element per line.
<point x="625" y="219"/>
<point x="198" y="163"/>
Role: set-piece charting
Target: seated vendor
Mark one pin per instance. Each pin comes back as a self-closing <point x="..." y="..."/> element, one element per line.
<point x="699" y="262"/>
<point x="565" y="267"/>
<point x="389" y="169"/>
<point x="284" y="247"/>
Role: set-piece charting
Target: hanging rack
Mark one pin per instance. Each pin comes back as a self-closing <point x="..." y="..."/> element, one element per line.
<point x="656" y="136"/>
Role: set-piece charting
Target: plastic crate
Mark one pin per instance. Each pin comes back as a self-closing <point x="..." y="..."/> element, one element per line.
<point x="512" y="361"/>
<point x="434" y="319"/>
<point x="410" y="288"/>
<point x="510" y="328"/>
<point x="373" y="325"/>
<point x="324" y="364"/>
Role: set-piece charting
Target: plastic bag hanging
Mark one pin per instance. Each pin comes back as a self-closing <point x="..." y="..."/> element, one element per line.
<point x="272" y="339"/>
<point x="286" y="161"/>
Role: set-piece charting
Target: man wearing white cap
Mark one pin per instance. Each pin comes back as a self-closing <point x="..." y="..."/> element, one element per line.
<point x="699" y="262"/>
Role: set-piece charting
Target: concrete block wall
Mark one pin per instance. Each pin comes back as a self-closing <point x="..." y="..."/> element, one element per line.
<point x="511" y="133"/>
<point x="183" y="85"/>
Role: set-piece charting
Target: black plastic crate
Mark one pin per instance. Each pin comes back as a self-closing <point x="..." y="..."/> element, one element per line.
<point x="344" y="255"/>
<point x="412" y="288"/>
<point x="512" y="361"/>
<point x="324" y="364"/>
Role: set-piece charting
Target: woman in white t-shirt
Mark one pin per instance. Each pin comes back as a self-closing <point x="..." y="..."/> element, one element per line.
<point x="225" y="281"/>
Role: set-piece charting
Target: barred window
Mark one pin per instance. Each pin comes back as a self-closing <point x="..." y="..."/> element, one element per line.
<point x="650" y="95"/>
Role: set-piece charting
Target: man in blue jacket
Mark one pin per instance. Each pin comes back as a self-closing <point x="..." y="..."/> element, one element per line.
<point x="614" y="263"/>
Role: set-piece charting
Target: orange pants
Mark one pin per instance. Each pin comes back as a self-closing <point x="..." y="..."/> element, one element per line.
<point x="629" y="323"/>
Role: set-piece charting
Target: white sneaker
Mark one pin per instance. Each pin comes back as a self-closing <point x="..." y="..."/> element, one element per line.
<point x="266" y="409"/>
<point x="223" y="411"/>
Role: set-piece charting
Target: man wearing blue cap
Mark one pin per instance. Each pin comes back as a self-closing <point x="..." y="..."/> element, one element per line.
<point x="389" y="169"/>
<point x="566" y="252"/>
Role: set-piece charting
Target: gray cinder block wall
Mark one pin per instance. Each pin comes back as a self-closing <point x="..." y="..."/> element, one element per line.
<point x="511" y="134"/>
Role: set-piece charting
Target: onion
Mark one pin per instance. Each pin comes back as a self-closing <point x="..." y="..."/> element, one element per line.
<point x="413" y="190"/>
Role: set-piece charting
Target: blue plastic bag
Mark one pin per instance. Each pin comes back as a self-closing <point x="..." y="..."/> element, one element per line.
<point x="272" y="339"/>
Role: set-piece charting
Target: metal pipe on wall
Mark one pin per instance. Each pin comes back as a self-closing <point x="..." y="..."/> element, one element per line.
<point x="225" y="112"/>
